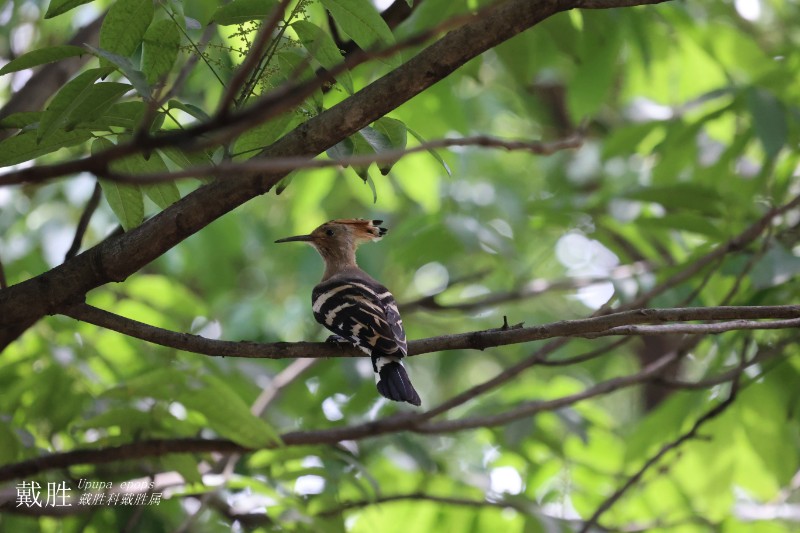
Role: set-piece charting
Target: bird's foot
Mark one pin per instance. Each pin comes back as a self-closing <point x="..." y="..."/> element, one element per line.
<point x="339" y="340"/>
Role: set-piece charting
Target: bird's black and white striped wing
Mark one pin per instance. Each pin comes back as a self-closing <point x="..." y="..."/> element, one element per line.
<point x="363" y="313"/>
<point x="395" y="321"/>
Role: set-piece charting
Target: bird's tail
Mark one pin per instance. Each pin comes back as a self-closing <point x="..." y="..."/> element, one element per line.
<point x="395" y="385"/>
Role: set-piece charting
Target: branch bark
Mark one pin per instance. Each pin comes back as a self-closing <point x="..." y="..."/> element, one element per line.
<point x="622" y="323"/>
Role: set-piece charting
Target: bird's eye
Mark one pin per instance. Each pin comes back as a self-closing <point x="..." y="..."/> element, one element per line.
<point x="329" y="233"/>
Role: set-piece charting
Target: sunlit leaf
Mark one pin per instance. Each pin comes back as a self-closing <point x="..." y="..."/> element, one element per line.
<point x="57" y="7"/>
<point x="227" y="413"/>
<point x="192" y="109"/>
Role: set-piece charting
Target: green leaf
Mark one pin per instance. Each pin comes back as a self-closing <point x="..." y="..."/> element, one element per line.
<point x="126" y="115"/>
<point x="596" y="72"/>
<point x="126" y="66"/>
<point x="683" y="222"/>
<point x="322" y="48"/>
<point x="258" y="138"/>
<point x="769" y="120"/>
<point x="284" y="183"/>
<point x="9" y="445"/>
<point x="184" y="464"/>
<point x="26" y="145"/>
<point x="124" y="26"/>
<point x="57" y="7"/>
<point x="375" y="139"/>
<point x="227" y="414"/>
<point x="163" y="194"/>
<point x="369" y="181"/>
<point x="361" y="22"/>
<point x="776" y="267"/>
<point x="41" y="56"/>
<point x="160" y="47"/>
<point x="98" y="98"/>
<point x="192" y="109"/>
<point x="67" y="99"/>
<point x="681" y="196"/>
<point x="394" y="135"/>
<point x="185" y="159"/>
<point x="355" y="145"/>
<point x="126" y="200"/>
<point x="21" y="120"/>
<point x="434" y="153"/>
<point x="240" y="11"/>
<point x="293" y="65"/>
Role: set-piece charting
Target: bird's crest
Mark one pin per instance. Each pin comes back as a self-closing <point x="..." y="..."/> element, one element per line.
<point x="362" y="229"/>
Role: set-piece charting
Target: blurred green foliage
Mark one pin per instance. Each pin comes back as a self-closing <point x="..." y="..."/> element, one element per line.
<point x="691" y="119"/>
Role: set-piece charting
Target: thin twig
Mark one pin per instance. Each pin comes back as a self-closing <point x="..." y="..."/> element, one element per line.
<point x="83" y="223"/>
<point x="286" y="164"/>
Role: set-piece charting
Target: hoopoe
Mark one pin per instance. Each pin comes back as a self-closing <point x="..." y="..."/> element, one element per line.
<point x="355" y="307"/>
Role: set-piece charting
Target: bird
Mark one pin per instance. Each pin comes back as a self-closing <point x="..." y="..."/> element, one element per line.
<point x="357" y="308"/>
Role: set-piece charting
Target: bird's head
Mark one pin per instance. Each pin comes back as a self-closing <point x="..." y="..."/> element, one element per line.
<point x="338" y="239"/>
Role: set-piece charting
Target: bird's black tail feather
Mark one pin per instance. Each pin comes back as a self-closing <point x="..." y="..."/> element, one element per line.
<point x="395" y="385"/>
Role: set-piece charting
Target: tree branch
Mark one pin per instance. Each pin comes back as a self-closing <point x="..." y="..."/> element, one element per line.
<point x="698" y="329"/>
<point x="83" y="223"/>
<point x="622" y="323"/>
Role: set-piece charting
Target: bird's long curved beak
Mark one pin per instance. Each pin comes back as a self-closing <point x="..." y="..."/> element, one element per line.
<point x="302" y="238"/>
